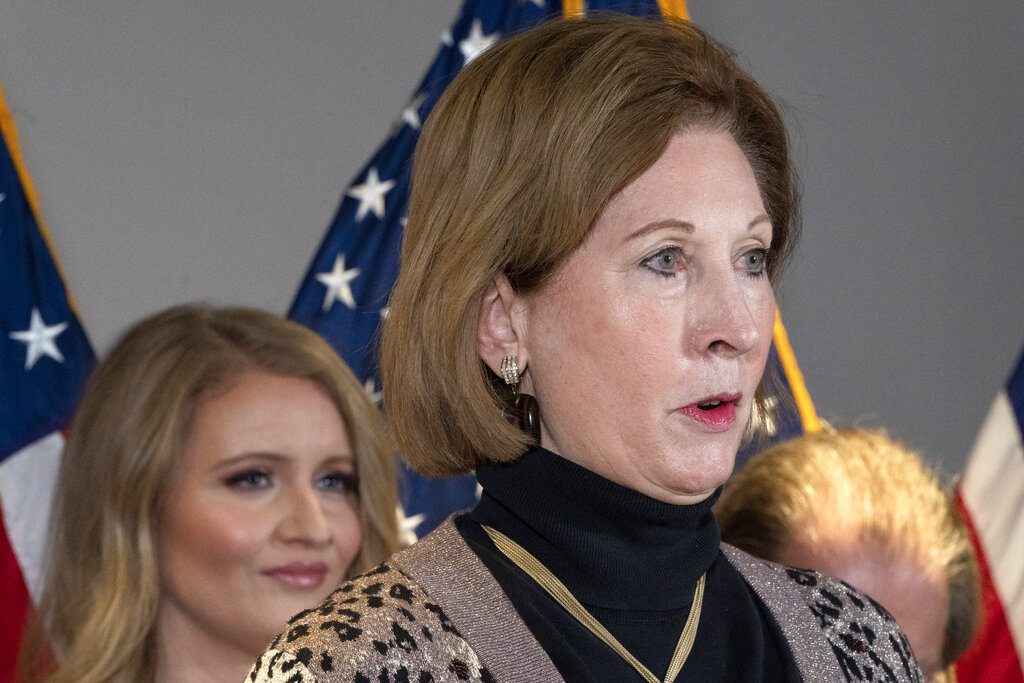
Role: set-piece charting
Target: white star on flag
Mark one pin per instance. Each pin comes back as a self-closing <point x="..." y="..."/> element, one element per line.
<point x="476" y="42"/>
<point x="370" y="387"/>
<point x="407" y="525"/>
<point x="39" y="340"/>
<point x="370" y="194"/>
<point x="337" y="283"/>
<point x="411" y="114"/>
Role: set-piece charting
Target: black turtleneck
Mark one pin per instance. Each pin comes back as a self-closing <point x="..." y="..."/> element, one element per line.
<point x="633" y="562"/>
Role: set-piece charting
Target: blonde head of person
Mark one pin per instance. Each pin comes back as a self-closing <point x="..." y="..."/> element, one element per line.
<point x="857" y="505"/>
<point x="224" y="471"/>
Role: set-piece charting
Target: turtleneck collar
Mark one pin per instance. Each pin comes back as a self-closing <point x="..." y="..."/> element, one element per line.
<point x="613" y="547"/>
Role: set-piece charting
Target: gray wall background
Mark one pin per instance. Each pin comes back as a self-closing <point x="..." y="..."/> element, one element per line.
<point x="197" y="150"/>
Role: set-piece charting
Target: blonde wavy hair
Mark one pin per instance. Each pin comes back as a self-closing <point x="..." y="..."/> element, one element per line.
<point x="868" y="487"/>
<point x="514" y="165"/>
<point x="102" y="591"/>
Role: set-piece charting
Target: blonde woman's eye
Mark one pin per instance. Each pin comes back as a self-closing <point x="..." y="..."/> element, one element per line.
<point x="339" y="482"/>
<point x="249" y="480"/>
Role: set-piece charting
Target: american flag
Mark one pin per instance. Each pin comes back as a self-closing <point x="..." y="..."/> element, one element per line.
<point x="344" y="294"/>
<point x="991" y="497"/>
<point x="44" y="360"/>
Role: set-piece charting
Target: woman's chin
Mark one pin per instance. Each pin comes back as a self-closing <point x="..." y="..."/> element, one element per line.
<point x="696" y="477"/>
<point x="685" y="488"/>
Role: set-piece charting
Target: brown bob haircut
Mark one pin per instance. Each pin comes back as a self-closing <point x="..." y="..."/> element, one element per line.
<point x="102" y="588"/>
<point x="515" y="164"/>
<point x="859" y="485"/>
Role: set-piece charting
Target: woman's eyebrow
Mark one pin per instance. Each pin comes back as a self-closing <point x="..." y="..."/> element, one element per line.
<point x="686" y="226"/>
<point x="659" y="225"/>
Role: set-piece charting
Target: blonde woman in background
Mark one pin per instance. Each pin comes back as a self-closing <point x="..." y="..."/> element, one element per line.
<point x="859" y="506"/>
<point x="224" y="471"/>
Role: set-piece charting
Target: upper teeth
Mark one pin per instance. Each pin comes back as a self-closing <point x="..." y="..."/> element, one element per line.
<point x="709" y="404"/>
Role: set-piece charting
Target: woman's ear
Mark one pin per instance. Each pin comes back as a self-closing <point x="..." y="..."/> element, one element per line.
<point x="501" y="327"/>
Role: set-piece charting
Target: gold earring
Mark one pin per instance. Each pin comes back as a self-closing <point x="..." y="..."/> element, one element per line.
<point x="510" y="371"/>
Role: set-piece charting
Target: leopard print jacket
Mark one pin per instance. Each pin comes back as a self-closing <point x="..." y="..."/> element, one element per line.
<point x="434" y="614"/>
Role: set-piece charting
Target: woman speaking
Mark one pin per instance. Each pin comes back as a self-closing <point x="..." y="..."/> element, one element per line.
<point x="583" y="315"/>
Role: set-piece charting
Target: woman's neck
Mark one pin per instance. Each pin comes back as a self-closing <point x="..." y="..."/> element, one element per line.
<point x="184" y="652"/>
<point x="612" y="546"/>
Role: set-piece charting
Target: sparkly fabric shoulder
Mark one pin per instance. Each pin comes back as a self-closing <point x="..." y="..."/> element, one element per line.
<point x="831" y="627"/>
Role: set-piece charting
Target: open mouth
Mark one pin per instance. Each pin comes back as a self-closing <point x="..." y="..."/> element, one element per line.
<point x="717" y="414"/>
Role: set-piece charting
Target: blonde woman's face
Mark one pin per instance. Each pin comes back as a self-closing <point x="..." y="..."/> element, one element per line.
<point x="260" y="518"/>
<point x="646" y="349"/>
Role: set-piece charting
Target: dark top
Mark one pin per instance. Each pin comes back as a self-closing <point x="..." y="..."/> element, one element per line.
<point x="633" y="562"/>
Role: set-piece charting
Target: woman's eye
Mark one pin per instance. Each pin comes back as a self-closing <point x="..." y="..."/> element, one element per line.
<point x="249" y="480"/>
<point x="754" y="261"/>
<point x="665" y="262"/>
<point x="341" y="482"/>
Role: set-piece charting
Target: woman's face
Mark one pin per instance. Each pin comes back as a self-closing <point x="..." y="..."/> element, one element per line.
<point x="260" y="517"/>
<point x="645" y="350"/>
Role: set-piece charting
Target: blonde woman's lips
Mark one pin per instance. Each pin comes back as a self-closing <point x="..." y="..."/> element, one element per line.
<point x="303" y="575"/>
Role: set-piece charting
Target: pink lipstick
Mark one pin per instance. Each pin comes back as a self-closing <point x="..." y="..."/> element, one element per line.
<point x="716" y="413"/>
<point x="303" y="575"/>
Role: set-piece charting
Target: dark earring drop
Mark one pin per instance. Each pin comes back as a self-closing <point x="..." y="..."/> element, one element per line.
<point x="528" y="416"/>
<point x="526" y="410"/>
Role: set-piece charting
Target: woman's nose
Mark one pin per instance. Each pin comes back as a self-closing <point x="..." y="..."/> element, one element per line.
<point x="726" y="317"/>
<point x="305" y="519"/>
